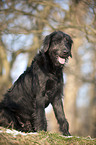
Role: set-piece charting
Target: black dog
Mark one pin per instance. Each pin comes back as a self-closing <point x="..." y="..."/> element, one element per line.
<point x="42" y="83"/>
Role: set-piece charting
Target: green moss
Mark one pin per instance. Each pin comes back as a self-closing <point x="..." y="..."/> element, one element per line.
<point x="43" y="138"/>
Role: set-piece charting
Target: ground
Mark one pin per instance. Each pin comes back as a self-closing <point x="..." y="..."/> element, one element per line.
<point x="13" y="137"/>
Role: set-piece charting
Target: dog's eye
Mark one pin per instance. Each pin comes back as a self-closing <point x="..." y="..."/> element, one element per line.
<point x="65" y="40"/>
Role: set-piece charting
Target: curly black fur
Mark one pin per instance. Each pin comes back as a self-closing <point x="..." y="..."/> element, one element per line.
<point x="41" y="84"/>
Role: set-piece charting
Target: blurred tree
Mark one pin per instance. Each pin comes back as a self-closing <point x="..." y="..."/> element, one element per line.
<point x="24" y="24"/>
<point x="19" y="18"/>
<point x="81" y="18"/>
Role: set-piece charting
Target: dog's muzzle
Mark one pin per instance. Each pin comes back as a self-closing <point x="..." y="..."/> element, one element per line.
<point x="62" y="59"/>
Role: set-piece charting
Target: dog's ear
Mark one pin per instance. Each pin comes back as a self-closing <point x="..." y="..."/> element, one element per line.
<point x="71" y="55"/>
<point x="46" y="43"/>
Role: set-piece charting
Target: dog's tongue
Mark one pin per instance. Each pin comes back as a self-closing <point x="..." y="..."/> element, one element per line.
<point x="61" y="60"/>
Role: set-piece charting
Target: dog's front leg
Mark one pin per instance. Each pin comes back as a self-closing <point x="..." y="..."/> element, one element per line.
<point x="59" y="113"/>
<point x="40" y="122"/>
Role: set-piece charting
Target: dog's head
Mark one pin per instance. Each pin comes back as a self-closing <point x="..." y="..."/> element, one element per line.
<point x="58" y="46"/>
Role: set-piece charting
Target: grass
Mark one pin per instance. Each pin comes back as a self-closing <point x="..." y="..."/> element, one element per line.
<point x="42" y="138"/>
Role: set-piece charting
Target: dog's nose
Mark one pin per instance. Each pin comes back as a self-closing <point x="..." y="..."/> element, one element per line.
<point x="66" y="51"/>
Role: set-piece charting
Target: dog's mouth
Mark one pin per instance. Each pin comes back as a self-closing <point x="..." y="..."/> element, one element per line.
<point x="62" y="60"/>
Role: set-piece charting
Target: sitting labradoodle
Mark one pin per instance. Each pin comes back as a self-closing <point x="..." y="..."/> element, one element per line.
<point x="23" y="107"/>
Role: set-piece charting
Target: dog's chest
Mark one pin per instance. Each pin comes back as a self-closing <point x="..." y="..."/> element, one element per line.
<point x="50" y="87"/>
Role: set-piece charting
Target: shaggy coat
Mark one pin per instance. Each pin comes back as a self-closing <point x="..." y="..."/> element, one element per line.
<point x="23" y="107"/>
